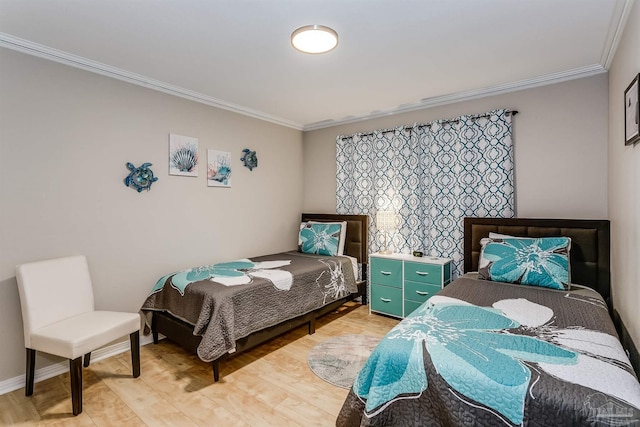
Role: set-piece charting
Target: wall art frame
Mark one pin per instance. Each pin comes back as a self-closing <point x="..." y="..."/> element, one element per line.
<point x="183" y="155"/>
<point x="632" y="112"/>
<point x="218" y="168"/>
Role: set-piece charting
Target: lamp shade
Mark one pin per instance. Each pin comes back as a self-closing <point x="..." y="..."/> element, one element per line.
<point x="386" y="220"/>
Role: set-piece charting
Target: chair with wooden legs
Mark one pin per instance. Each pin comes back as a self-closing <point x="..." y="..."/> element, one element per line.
<point x="56" y="297"/>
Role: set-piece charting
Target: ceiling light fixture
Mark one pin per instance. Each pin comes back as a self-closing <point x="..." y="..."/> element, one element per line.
<point x="314" y="39"/>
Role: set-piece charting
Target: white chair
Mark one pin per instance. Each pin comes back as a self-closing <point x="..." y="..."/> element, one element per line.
<point x="59" y="318"/>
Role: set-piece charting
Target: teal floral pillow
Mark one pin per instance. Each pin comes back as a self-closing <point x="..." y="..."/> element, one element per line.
<point x="320" y="238"/>
<point x="529" y="261"/>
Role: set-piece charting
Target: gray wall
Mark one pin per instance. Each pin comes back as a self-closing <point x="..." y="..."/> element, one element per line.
<point x="624" y="183"/>
<point x="560" y="143"/>
<point x="65" y="136"/>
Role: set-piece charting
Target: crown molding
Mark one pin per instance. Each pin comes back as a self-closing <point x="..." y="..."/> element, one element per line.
<point x="616" y="29"/>
<point x="436" y="101"/>
<point x="618" y="22"/>
<point x="21" y="45"/>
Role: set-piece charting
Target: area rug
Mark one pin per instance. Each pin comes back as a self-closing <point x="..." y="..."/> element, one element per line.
<point x="339" y="359"/>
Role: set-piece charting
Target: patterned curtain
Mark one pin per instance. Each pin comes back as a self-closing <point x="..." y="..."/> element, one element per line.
<point x="432" y="175"/>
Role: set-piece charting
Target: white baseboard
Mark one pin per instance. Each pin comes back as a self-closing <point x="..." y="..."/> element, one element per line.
<point x="50" y="371"/>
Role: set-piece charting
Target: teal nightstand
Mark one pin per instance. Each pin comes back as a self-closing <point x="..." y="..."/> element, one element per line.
<point x="398" y="283"/>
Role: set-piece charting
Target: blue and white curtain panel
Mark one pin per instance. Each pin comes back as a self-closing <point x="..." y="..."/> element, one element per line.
<point x="432" y="175"/>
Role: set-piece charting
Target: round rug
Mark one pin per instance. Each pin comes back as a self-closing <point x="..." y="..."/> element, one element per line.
<point x="339" y="359"/>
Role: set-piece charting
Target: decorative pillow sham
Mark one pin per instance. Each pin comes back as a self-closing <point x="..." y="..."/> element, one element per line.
<point x="322" y="238"/>
<point x="343" y="233"/>
<point x="529" y="261"/>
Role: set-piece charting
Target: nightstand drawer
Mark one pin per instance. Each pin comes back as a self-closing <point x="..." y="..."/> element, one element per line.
<point x="424" y="273"/>
<point x="419" y="291"/>
<point x="410" y="307"/>
<point x="386" y="299"/>
<point x="386" y="272"/>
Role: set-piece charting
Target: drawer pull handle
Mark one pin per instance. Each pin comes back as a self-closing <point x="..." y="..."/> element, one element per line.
<point x="385" y="300"/>
<point x="422" y="293"/>
<point x="422" y="273"/>
<point x="385" y="273"/>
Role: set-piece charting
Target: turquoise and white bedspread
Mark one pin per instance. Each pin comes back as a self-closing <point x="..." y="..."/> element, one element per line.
<point x="489" y="353"/>
<point x="228" y="301"/>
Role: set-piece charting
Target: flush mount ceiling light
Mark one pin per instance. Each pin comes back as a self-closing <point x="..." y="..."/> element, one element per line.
<point x="314" y="39"/>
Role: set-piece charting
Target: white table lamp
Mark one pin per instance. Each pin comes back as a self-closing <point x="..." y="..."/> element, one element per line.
<point x="386" y="222"/>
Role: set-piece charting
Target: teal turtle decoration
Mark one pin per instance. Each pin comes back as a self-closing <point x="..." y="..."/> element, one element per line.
<point x="140" y="178"/>
<point x="250" y="159"/>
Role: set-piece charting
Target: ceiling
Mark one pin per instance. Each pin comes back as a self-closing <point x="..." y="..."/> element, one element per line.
<point x="393" y="55"/>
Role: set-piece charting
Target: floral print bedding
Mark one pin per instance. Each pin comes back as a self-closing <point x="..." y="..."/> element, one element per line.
<point x="491" y="353"/>
<point x="228" y="301"/>
<point x="529" y="261"/>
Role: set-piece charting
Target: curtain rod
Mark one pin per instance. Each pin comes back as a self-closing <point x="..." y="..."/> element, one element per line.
<point x="513" y="113"/>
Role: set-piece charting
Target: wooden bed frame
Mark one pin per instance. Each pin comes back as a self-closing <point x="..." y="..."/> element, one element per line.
<point x="356" y="245"/>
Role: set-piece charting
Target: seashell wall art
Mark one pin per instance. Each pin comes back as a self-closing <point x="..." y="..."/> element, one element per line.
<point x="183" y="155"/>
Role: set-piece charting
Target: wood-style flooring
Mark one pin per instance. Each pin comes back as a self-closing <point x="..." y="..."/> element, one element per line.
<point x="270" y="385"/>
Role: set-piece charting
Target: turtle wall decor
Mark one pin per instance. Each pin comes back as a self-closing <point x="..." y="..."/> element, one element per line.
<point x="140" y="178"/>
<point x="250" y="159"/>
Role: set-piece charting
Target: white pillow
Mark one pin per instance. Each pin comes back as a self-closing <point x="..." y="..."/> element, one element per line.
<point x="493" y="235"/>
<point x="501" y="236"/>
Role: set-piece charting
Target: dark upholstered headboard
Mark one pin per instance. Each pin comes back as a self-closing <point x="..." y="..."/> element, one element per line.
<point x="590" y="244"/>
<point x="356" y="243"/>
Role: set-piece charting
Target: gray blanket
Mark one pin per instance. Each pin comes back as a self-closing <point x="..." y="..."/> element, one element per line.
<point x="487" y="353"/>
<point x="228" y="301"/>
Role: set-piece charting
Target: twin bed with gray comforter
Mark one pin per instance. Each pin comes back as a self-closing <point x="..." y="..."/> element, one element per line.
<point x="484" y="352"/>
<point x="225" y="308"/>
<point x="228" y="301"/>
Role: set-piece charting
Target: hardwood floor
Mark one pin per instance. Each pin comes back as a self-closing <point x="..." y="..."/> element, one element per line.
<point x="270" y="385"/>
